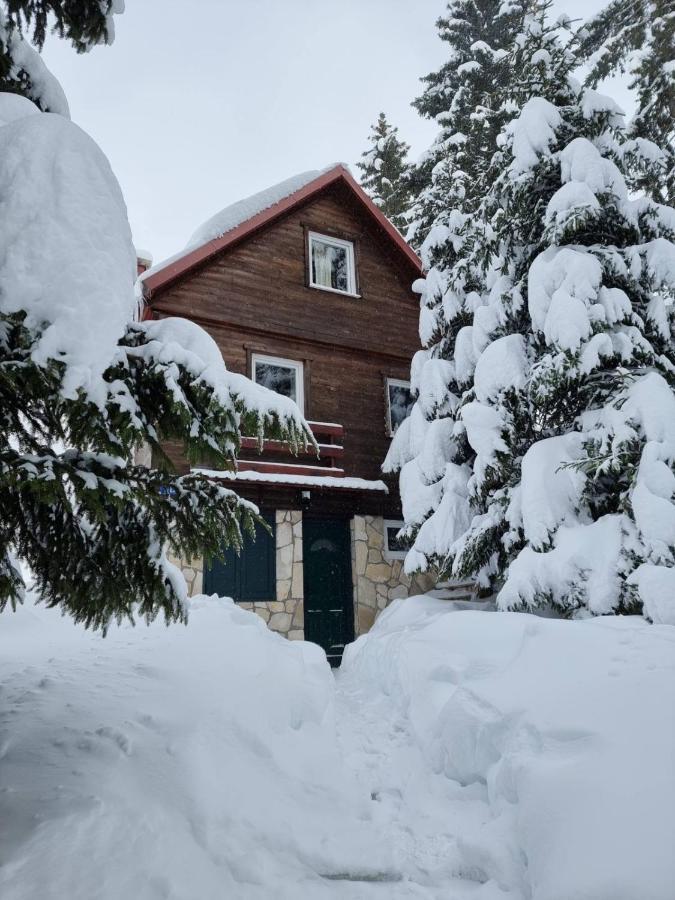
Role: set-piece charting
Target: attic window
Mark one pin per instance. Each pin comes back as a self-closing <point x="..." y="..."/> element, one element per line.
<point x="331" y="264"/>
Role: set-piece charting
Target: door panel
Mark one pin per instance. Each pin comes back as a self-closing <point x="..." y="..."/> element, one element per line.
<point x="329" y="607"/>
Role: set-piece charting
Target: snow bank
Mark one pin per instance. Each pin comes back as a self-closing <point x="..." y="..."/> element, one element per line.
<point x="196" y="762"/>
<point x="66" y="255"/>
<point x="565" y="728"/>
<point x="463" y="754"/>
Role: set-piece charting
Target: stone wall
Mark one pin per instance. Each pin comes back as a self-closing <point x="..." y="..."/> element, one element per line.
<point x="193" y="572"/>
<point x="378" y="579"/>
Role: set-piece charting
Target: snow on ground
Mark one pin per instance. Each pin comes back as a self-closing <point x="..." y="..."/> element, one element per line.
<point x="458" y="755"/>
<point x="564" y="730"/>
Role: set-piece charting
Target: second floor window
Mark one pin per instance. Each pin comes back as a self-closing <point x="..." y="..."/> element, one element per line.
<point x="331" y="264"/>
<point x="399" y="402"/>
<point x="283" y="376"/>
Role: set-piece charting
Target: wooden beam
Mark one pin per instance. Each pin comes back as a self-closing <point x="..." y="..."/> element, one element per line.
<point x="273" y="468"/>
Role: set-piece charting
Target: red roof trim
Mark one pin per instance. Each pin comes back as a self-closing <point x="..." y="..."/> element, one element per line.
<point x="179" y="267"/>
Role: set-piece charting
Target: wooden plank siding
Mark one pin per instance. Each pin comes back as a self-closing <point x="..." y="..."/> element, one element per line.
<point x="254" y="298"/>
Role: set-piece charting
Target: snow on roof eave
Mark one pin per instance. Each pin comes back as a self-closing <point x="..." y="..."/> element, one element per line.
<point x="159" y="275"/>
<point x="241" y="211"/>
<point x="319" y="481"/>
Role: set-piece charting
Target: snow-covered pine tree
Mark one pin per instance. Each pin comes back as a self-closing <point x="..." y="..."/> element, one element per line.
<point x="572" y="410"/>
<point x="430" y="448"/>
<point x="82" y="385"/>
<point x="639" y="36"/>
<point x="83" y="23"/>
<point x="383" y="166"/>
<point x="464" y="98"/>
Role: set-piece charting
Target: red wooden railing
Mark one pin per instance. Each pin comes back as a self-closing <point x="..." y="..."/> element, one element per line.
<point x="281" y="460"/>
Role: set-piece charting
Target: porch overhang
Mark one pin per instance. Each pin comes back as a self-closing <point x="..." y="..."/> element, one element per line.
<point x="311" y="482"/>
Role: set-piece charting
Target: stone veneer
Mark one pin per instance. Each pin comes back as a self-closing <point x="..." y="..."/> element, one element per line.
<point x="378" y="579"/>
<point x="286" y="614"/>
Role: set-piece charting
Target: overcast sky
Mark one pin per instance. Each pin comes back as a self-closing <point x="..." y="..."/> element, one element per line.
<point x="195" y="113"/>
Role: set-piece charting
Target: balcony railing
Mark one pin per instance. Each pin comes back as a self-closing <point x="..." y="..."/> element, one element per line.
<point x="277" y="457"/>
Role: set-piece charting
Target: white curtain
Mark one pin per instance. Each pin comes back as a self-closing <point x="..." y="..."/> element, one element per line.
<point x="323" y="264"/>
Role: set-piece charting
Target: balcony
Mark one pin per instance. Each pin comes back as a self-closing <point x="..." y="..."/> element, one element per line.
<point x="277" y="457"/>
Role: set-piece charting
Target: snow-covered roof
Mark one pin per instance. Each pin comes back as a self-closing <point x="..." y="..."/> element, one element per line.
<point x="236" y="214"/>
<point x="239" y="219"/>
<point x="245" y="209"/>
<point x="144" y="255"/>
<point x="347" y="484"/>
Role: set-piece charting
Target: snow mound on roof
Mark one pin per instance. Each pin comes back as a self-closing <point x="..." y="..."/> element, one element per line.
<point x="243" y="210"/>
<point x="66" y="255"/>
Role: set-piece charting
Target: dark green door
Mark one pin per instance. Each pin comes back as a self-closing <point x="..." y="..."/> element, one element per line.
<point x="329" y="604"/>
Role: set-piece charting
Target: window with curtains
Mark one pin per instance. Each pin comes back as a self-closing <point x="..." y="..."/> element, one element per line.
<point x="331" y="264"/>
<point x="400" y="402"/>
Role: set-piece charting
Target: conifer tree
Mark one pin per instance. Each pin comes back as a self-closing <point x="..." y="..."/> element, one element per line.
<point x="639" y="36"/>
<point x="431" y="447"/>
<point x="83" y="23"/>
<point x="383" y="166"/>
<point x="464" y="97"/>
<point x="571" y="410"/>
<point x="82" y="384"/>
<point x="551" y="476"/>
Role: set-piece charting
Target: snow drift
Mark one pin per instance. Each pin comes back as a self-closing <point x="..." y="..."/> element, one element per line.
<point x="567" y="727"/>
<point x="472" y="755"/>
<point x="195" y="762"/>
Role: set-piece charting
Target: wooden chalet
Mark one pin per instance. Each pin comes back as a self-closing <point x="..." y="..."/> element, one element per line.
<point x="307" y="290"/>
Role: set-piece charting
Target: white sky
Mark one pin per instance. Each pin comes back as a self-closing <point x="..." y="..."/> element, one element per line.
<point x="200" y="104"/>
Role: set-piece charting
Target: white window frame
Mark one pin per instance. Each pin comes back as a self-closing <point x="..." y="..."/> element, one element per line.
<point x="396" y="382"/>
<point x="351" y="265"/>
<point x="392" y="554"/>
<point x="286" y="364"/>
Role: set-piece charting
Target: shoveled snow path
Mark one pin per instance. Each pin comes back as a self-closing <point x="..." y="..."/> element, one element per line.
<point x="426" y="818"/>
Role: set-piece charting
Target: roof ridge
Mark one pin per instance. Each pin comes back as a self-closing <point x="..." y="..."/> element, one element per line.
<point x="224" y="229"/>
